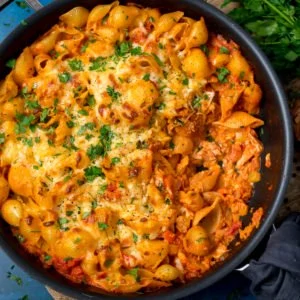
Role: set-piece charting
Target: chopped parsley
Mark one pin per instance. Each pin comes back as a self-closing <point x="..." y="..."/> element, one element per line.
<point x="62" y="223"/>
<point x="27" y="141"/>
<point x="22" y="4"/>
<point x="134" y="273"/>
<point x="224" y="50"/>
<point x="168" y="201"/>
<point x="15" y="278"/>
<point x="75" y="64"/>
<point x="108" y="263"/>
<point x="69" y="143"/>
<point x="70" y="124"/>
<point x="102" y="189"/>
<point x="98" y="64"/>
<point x="102" y="226"/>
<point x="135" y="238"/>
<point x="83" y="112"/>
<point x="2" y="138"/>
<point x="123" y="48"/>
<point x="121" y="185"/>
<point x="86" y="214"/>
<point x="95" y="151"/>
<point x="115" y="160"/>
<point x="157" y="59"/>
<point x="120" y="222"/>
<point x="172" y="145"/>
<point x="106" y="136"/>
<point x="146" y="77"/>
<point x="91" y="173"/>
<point x="185" y="81"/>
<point x="161" y="106"/>
<point x="64" y="77"/>
<point x="196" y="102"/>
<point x="32" y="104"/>
<point x="11" y="63"/>
<point x="242" y="75"/>
<point x="85" y="127"/>
<point x="20" y="238"/>
<point x="23" y="122"/>
<point x="77" y="240"/>
<point x="91" y="100"/>
<point x="47" y="257"/>
<point x="112" y="93"/>
<point x="136" y="51"/>
<point x="222" y="74"/>
<point x="44" y="114"/>
<point x="205" y="49"/>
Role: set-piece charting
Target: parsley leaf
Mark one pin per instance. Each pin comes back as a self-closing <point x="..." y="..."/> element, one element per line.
<point x="185" y="81"/>
<point x="69" y="143"/>
<point x="134" y="273"/>
<point x="91" y="100"/>
<point x="222" y="74"/>
<point x="11" y="63"/>
<point x="47" y="257"/>
<point x="102" y="226"/>
<point x="157" y="59"/>
<point x="32" y="104"/>
<point x="91" y="173"/>
<point x="275" y="26"/>
<point x="135" y="238"/>
<point x="123" y="48"/>
<point x="15" y="278"/>
<point x="112" y="93"/>
<point x="75" y="64"/>
<point x="2" y="138"/>
<point x="106" y="136"/>
<point x="115" y="160"/>
<point x="44" y="114"/>
<point x="98" y="64"/>
<point x="136" y="51"/>
<point x="62" y="223"/>
<point x="95" y="151"/>
<point x="196" y="103"/>
<point x="146" y="77"/>
<point x="205" y="49"/>
<point x="85" y="127"/>
<point x="224" y="50"/>
<point x="23" y="122"/>
<point x="64" y="77"/>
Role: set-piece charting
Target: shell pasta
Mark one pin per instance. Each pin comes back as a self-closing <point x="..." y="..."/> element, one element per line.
<point x="128" y="150"/>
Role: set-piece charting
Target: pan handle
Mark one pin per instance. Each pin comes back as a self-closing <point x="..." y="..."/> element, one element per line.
<point x="34" y="4"/>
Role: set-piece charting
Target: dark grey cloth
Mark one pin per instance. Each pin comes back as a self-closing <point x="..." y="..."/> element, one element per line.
<point x="276" y="275"/>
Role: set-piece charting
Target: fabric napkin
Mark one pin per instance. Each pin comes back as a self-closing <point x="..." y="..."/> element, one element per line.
<point x="276" y="275"/>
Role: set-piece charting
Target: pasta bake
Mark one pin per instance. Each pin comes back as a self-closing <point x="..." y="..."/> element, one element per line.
<point x="128" y="150"/>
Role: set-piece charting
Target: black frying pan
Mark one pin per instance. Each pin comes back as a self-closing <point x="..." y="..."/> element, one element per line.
<point x="277" y="139"/>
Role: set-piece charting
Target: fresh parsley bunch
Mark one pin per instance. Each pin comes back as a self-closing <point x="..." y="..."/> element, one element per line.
<point x="275" y="26"/>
